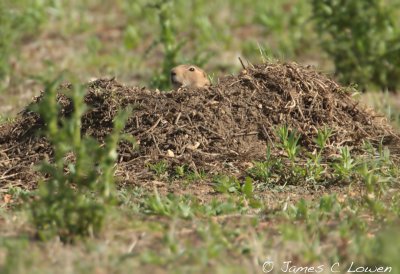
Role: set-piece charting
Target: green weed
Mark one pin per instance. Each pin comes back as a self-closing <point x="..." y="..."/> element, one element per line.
<point x="226" y="184"/>
<point x="160" y="168"/>
<point x="345" y="165"/>
<point x="168" y="206"/>
<point x="265" y="171"/>
<point x="289" y="141"/>
<point x="231" y="185"/>
<point x="376" y="168"/>
<point x="74" y="203"/>
<point x="362" y="40"/>
<point x="287" y="24"/>
<point x="189" y="207"/>
<point x="169" y="40"/>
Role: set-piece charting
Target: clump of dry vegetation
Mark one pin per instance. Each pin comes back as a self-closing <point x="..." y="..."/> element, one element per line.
<point x="233" y="121"/>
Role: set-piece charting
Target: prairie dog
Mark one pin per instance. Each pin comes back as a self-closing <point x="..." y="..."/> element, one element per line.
<point x="188" y="76"/>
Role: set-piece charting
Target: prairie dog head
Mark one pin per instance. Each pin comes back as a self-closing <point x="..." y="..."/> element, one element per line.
<point x="188" y="76"/>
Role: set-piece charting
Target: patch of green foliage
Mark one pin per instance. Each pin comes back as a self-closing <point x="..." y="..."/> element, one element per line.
<point x="231" y="185"/>
<point x="286" y="27"/>
<point x="160" y="169"/>
<point x="190" y="207"/>
<point x="18" y="20"/>
<point x="184" y="231"/>
<point x="316" y="168"/>
<point x="169" y="40"/>
<point x="362" y="38"/>
<point x="354" y="234"/>
<point x="75" y="198"/>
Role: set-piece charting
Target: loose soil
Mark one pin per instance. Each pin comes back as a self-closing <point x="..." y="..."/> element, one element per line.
<point x="219" y="129"/>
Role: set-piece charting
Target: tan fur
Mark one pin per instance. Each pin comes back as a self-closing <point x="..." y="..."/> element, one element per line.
<point x="188" y="76"/>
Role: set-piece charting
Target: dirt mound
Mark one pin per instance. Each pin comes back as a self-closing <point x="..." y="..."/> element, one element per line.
<point x="228" y="124"/>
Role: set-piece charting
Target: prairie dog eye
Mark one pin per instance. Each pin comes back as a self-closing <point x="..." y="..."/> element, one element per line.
<point x="191" y="68"/>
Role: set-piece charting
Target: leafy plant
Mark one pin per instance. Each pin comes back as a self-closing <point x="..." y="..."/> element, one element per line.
<point x="345" y="165"/>
<point x="328" y="204"/>
<point x="160" y="168"/>
<point x="169" y="41"/>
<point x="289" y="141"/>
<point x="74" y="200"/>
<point x="169" y="205"/>
<point x="226" y="184"/>
<point x="230" y="184"/>
<point x="287" y="24"/>
<point x="362" y="40"/>
<point x="315" y="169"/>
<point x="189" y="207"/>
<point x="263" y="171"/>
<point x="322" y="137"/>
<point x="180" y="171"/>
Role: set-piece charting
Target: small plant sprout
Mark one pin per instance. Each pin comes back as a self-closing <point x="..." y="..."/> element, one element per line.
<point x="322" y="137"/>
<point x="345" y="165"/>
<point x="226" y="184"/>
<point x="170" y="205"/>
<point x="263" y="170"/>
<point x="315" y="169"/>
<point x="375" y="181"/>
<point x="160" y="168"/>
<point x="180" y="171"/>
<point x="231" y="185"/>
<point x="289" y="141"/>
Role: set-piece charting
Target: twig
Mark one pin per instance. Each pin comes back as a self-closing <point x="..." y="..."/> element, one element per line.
<point x="266" y="134"/>
<point x="153" y="126"/>
<point x="132" y="246"/>
<point x="155" y="142"/>
<point x="241" y="62"/>
<point x="8" y="176"/>
<point x="212" y="131"/>
<point x="246" y="134"/>
<point x="137" y="122"/>
<point x="177" y="118"/>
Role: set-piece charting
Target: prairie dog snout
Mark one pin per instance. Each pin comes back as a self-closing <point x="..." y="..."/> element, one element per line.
<point x="188" y="76"/>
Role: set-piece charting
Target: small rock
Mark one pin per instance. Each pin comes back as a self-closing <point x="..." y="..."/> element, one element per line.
<point x="193" y="147"/>
<point x="170" y="153"/>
